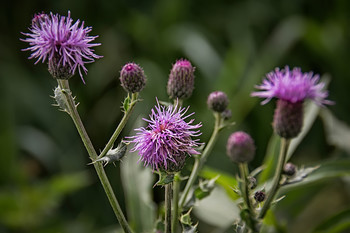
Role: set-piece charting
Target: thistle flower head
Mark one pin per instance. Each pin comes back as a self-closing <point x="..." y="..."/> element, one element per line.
<point x="132" y="78"/>
<point x="66" y="46"/>
<point x="181" y="80"/>
<point x="292" y="86"/>
<point x="166" y="138"/>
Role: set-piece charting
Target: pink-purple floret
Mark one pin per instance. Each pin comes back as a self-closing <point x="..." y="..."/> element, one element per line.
<point x="166" y="136"/>
<point x="292" y="86"/>
<point x="53" y="35"/>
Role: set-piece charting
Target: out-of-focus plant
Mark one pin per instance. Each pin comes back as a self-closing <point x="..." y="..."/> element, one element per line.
<point x="168" y="140"/>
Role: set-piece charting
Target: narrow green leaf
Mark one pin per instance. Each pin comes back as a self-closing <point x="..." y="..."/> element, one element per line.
<point x="327" y="170"/>
<point x="335" y="224"/>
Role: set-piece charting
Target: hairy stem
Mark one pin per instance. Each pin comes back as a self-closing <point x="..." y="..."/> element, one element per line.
<point x="199" y="161"/>
<point x="176" y="185"/>
<point x="277" y="178"/>
<point x="168" y="199"/>
<point x="243" y="169"/>
<point x="121" y="125"/>
<point x="72" y="110"/>
<point x="176" y="188"/>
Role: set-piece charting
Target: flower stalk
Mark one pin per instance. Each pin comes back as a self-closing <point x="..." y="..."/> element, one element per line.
<point x="243" y="169"/>
<point x="199" y="161"/>
<point x="277" y="178"/>
<point x="127" y="114"/>
<point x="168" y="200"/>
<point x="64" y="85"/>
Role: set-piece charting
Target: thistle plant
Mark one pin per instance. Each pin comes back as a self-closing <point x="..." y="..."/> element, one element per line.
<point x="171" y="137"/>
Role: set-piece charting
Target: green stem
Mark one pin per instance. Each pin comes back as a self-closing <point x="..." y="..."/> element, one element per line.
<point x="199" y="161"/>
<point x="121" y="125"/>
<point x="277" y="178"/>
<point x="72" y="110"/>
<point x="176" y="188"/>
<point x="243" y="168"/>
<point x="176" y="185"/>
<point x="168" y="198"/>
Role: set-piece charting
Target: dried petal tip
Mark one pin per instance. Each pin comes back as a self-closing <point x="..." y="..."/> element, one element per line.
<point x="132" y="78"/>
<point x="217" y="101"/>
<point x="66" y="46"/>
<point x="181" y="80"/>
<point x="289" y="169"/>
<point x="259" y="196"/>
<point x="288" y="119"/>
<point x="240" y="147"/>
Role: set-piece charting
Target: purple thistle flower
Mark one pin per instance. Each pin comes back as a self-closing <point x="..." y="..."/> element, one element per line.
<point x="292" y="86"/>
<point x="55" y="38"/>
<point x="166" y="138"/>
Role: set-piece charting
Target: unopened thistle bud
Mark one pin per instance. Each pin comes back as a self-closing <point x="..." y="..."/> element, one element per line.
<point x="289" y="169"/>
<point x="240" y="147"/>
<point x="181" y="80"/>
<point x="217" y="101"/>
<point x="259" y="196"/>
<point x="132" y="78"/>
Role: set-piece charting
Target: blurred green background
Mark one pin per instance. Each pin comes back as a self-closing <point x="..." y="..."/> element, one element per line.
<point x="45" y="183"/>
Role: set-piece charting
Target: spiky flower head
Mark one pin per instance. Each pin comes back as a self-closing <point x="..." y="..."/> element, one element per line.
<point x="217" y="101"/>
<point x="240" y="147"/>
<point x="291" y="87"/>
<point x="181" y="80"/>
<point x="132" y="78"/>
<point x="167" y="138"/>
<point x="64" y="45"/>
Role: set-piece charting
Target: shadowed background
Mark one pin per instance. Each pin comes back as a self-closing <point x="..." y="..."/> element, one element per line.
<point x="45" y="184"/>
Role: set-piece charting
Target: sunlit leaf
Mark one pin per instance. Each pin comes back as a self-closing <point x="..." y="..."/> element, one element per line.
<point x="225" y="180"/>
<point x="217" y="209"/>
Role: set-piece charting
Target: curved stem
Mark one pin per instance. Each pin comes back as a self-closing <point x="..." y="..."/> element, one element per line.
<point x="199" y="161"/>
<point x="277" y="178"/>
<point x="121" y="125"/>
<point x="64" y="85"/>
<point x="168" y="198"/>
